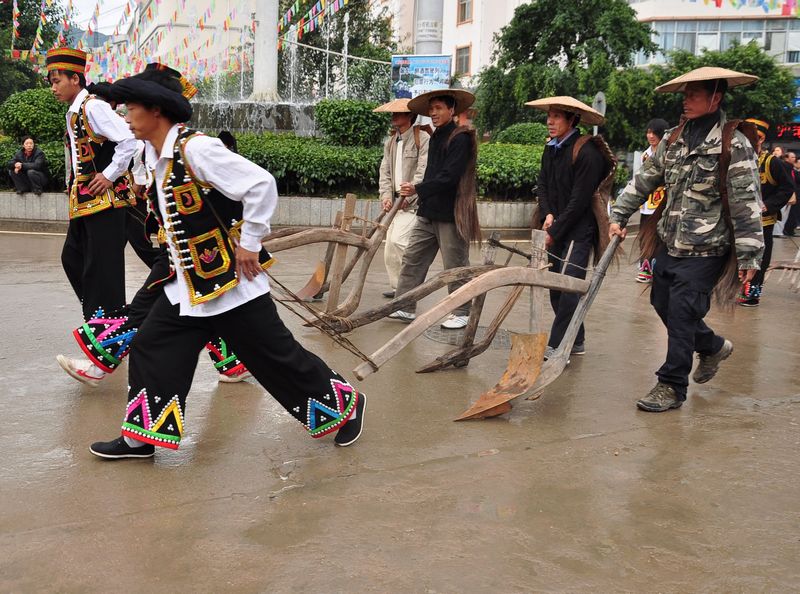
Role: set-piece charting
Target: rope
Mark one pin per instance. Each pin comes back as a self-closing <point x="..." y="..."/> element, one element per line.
<point x="321" y="323"/>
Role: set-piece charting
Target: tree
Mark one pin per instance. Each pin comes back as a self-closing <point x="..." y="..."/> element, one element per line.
<point x="552" y="47"/>
<point x="16" y="74"/>
<point x="369" y="36"/>
<point x="632" y="102"/>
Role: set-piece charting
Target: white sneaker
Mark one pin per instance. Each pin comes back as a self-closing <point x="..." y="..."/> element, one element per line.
<point x="453" y="322"/>
<point x="82" y="370"/>
<point x="235" y="378"/>
<point x="403" y="316"/>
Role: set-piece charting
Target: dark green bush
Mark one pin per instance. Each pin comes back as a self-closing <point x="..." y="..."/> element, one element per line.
<point x="348" y="122"/>
<point x="53" y="151"/>
<point x="34" y="112"/>
<point x="508" y="171"/>
<point x="532" y="133"/>
<point x="309" y="166"/>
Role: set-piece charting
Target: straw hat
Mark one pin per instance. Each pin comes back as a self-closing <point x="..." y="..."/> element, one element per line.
<point x="734" y="79"/>
<point x="420" y="104"/>
<point x="396" y="106"/>
<point x="588" y="115"/>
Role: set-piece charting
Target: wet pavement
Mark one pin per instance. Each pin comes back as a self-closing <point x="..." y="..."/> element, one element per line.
<point x="577" y="491"/>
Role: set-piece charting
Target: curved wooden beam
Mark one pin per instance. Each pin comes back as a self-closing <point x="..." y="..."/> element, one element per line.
<point x="310" y="236"/>
<point x="493" y="279"/>
<point x="410" y="298"/>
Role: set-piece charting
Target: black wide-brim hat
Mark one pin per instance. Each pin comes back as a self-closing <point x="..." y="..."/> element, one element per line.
<point x="137" y="89"/>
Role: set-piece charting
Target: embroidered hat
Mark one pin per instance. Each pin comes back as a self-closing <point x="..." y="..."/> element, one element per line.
<point x="66" y="58"/>
<point x="421" y="103"/>
<point x="157" y="87"/>
<point x="396" y="106"/>
<point x="570" y="104"/>
<point x="761" y="126"/>
<point x="189" y="90"/>
<point x="731" y="77"/>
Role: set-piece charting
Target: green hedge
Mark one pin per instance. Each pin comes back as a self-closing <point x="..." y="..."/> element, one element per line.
<point x="508" y="171"/>
<point x="532" y="133"/>
<point x="34" y="112"/>
<point x="53" y="152"/>
<point x="348" y="122"/>
<point x="309" y="166"/>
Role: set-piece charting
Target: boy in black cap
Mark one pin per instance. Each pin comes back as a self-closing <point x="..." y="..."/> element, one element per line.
<point x="214" y="207"/>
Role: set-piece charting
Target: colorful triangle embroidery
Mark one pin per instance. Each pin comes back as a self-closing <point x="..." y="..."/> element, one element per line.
<point x="140" y="402"/>
<point x="319" y="414"/>
<point x="173" y="410"/>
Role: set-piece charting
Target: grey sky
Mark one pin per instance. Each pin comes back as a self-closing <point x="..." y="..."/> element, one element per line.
<point x="110" y="13"/>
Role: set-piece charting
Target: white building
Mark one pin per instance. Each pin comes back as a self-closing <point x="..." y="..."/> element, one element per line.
<point x="469" y="28"/>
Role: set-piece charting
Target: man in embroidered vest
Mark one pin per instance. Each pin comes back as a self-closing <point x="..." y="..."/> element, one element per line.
<point x="405" y="156"/>
<point x="447" y="218"/>
<point x="777" y="188"/>
<point x="708" y="225"/>
<point x="566" y="189"/>
<point x="105" y="351"/>
<point x="100" y="149"/>
<point x="215" y="207"/>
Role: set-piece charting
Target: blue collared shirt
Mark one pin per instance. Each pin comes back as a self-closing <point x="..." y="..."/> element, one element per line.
<point x="557" y="143"/>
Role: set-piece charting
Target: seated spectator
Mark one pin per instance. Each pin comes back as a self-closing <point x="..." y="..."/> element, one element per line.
<point x="229" y="140"/>
<point x="28" y="168"/>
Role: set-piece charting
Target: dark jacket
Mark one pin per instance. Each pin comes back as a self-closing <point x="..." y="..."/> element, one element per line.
<point x="565" y="190"/>
<point x="446" y="164"/>
<point x="777" y="184"/>
<point x="36" y="161"/>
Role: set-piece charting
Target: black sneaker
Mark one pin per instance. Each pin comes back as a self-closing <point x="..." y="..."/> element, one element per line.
<point x="388" y="294"/>
<point x="352" y="429"/>
<point x="578" y="349"/>
<point x="119" y="449"/>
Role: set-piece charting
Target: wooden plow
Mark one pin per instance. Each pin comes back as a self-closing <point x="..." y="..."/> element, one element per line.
<point x="790" y="271"/>
<point x="526" y="372"/>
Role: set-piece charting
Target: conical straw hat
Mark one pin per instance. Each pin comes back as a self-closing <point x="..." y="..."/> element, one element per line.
<point x="420" y="104"/>
<point x="588" y="115"/>
<point x="735" y="79"/>
<point x="396" y="106"/>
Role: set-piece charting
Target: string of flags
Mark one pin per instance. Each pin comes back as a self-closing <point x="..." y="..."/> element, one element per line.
<point x="787" y="7"/>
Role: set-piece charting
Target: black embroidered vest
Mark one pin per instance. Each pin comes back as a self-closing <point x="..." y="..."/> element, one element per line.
<point x="201" y="222"/>
<point x="94" y="155"/>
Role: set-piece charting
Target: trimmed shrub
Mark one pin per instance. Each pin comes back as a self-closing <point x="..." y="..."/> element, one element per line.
<point x="532" y="133"/>
<point x="34" y="112"/>
<point x="347" y="122"/>
<point x="508" y="171"/>
<point x="309" y="166"/>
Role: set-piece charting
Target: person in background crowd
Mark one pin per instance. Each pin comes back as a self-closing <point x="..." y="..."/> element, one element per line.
<point x="777" y="151"/>
<point x="777" y="187"/>
<point x="792" y="211"/>
<point x="655" y="132"/>
<point x="405" y="156"/>
<point x="28" y="168"/>
<point x="229" y="140"/>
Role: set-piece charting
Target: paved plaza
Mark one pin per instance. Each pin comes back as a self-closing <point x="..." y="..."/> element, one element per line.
<point x="575" y="492"/>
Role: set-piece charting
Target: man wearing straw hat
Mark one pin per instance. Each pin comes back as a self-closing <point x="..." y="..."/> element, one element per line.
<point x="101" y="147"/>
<point x="447" y="219"/>
<point x="706" y="229"/>
<point x="405" y="156"/>
<point x="571" y="172"/>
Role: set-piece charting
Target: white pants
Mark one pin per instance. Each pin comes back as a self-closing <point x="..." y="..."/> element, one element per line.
<point x="396" y="243"/>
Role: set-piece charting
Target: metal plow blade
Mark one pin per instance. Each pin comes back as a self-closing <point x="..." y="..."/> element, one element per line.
<point x="524" y="367"/>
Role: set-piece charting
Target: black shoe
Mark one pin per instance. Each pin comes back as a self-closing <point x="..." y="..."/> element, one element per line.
<point x="351" y="430"/>
<point x="119" y="449"/>
<point x="388" y="294"/>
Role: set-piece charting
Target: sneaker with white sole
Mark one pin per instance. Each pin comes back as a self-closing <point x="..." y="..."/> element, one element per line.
<point x="403" y="316"/>
<point x="352" y="429"/>
<point x="117" y="448"/>
<point x="235" y="375"/>
<point x="454" y="322"/>
<point x="82" y="370"/>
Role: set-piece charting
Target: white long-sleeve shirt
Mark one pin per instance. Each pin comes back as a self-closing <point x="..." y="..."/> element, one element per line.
<point x="236" y="178"/>
<point x="105" y="122"/>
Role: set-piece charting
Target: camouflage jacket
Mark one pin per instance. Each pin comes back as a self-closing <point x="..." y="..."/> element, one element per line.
<point x="692" y="223"/>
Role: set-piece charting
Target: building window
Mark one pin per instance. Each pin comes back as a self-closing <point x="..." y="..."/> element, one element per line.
<point x="463" y="56"/>
<point x="464" y="11"/>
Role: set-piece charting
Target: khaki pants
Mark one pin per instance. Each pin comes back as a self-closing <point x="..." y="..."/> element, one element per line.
<point x="397" y="239"/>
<point x="427" y="238"/>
